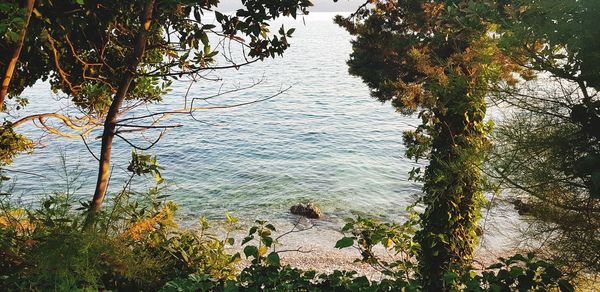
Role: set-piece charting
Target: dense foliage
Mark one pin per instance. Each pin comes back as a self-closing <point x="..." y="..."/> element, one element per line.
<point x="265" y="273"/>
<point x="548" y="149"/>
<point x="437" y="58"/>
<point x="11" y="144"/>
<point x="44" y="249"/>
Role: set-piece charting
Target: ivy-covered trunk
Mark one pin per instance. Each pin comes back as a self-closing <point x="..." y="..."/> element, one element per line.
<point x="452" y="188"/>
<point x="437" y="58"/>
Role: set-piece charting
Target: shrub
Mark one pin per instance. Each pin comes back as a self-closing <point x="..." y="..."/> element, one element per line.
<point x="134" y="245"/>
<point x="265" y="272"/>
<point x="47" y="249"/>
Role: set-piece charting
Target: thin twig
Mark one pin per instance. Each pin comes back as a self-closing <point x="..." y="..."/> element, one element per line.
<point x="137" y="147"/>
<point x="88" y="148"/>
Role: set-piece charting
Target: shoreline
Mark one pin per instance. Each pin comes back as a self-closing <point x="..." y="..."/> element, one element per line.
<point x="314" y="247"/>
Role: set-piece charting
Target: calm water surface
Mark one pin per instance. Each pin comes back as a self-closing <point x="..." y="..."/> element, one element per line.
<point x="324" y="140"/>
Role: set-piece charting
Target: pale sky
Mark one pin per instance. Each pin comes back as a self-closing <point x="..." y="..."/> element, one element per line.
<point x="319" y="5"/>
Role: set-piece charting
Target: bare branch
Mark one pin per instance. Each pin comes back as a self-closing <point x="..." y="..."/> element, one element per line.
<point x="300" y="250"/>
<point x="194" y="71"/>
<point x="138" y="147"/>
<point x="192" y="109"/>
<point x="88" y="147"/>
<point x="149" y="127"/>
<point x="70" y="122"/>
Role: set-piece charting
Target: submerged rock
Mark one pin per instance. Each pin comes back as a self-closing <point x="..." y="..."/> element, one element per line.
<point x="479" y="231"/>
<point x="309" y="210"/>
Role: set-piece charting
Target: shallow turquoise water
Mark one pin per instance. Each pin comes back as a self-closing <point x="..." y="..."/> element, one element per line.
<point x="325" y="140"/>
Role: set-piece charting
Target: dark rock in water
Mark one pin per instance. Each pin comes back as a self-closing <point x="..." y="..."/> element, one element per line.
<point x="309" y="210"/>
<point x="522" y="207"/>
<point x="479" y="231"/>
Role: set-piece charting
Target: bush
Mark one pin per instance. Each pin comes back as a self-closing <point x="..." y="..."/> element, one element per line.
<point x="143" y="249"/>
<point x="134" y="244"/>
<point x="265" y="272"/>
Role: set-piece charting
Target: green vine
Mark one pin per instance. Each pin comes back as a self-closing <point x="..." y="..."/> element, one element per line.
<point x="436" y="58"/>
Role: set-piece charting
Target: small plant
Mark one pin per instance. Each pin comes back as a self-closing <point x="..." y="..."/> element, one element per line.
<point x="366" y="233"/>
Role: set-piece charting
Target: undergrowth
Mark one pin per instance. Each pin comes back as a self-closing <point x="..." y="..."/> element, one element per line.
<point x="135" y="244"/>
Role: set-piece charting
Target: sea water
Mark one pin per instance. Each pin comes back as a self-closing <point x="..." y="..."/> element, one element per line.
<point x="325" y="140"/>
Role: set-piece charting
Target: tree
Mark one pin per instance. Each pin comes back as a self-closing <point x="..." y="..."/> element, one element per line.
<point x="16" y="41"/>
<point x="106" y="53"/>
<point x="548" y="150"/>
<point x="437" y="58"/>
<point x="18" y="34"/>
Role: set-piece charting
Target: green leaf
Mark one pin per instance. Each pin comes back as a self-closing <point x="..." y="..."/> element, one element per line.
<point x="231" y="287"/>
<point x="230" y="241"/>
<point x="251" y="250"/>
<point x="273" y="259"/>
<point x="204" y="39"/>
<point x="12" y="36"/>
<point x="219" y="16"/>
<point x="344" y="242"/>
<point x="516" y="271"/>
<point x="495" y="266"/>
<point x="252" y="230"/>
<point x="290" y="32"/>
<point x="450" y="277"/>
<point x="211" y="54"/>
<point x="348" y="226"/>
<point x="520" y="257"/>
<point x="247" y="239"/>
<point x="268" y="241"/>
<point x="80" y="2"/>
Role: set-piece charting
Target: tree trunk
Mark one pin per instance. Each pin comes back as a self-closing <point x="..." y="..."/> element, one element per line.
<point x="10" y="68"/>
<point x="452" y="190"/>
<point x="108" y="133"/>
